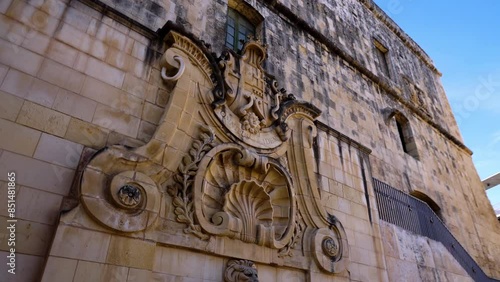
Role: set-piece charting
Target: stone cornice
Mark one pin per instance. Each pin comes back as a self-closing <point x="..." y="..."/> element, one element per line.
<point x="346" y="139"/>
<point x="120" y="17"/>
<point x="407" y="40"/>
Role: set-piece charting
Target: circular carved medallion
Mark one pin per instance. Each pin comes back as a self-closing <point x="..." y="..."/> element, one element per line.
<point x="330" y="247"/>
<point x="130" y="195"/>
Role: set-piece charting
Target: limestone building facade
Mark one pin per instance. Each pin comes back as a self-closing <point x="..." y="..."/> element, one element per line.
<point x="230" y="140"/>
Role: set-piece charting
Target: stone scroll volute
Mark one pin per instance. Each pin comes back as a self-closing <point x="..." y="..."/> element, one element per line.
<point x="120" y="187"/>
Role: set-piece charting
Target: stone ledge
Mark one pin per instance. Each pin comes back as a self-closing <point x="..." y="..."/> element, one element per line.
<point x="407" y="40"/>
<point x="120" y="17"/>
<point x="324" y="127"/>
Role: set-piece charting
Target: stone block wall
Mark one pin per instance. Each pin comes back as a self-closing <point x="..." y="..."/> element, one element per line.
<point x="73" y="76"/>
<point x="410" y="257"/>
<point x="70" y="78"/>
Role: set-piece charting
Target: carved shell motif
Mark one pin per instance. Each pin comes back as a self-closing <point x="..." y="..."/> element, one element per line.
<point x="248" y="198"/>
<point x="247" y="201"/>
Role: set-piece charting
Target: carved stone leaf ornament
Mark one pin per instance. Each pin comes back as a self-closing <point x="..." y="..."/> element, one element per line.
<point x="181" y="191"/>
<point x="296" y="237"/>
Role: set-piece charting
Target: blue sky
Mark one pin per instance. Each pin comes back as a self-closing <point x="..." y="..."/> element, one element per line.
<point x="463" y="40"/>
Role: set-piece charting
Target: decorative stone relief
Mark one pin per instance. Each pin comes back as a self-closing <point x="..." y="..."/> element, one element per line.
<point x="120" y="186"/>
<point x="328" y="240"/>
<point x="241" y="271"/>
<point x="328" y="249"/>
<point x="249" y="174"/>
<point x="179" y="72"/>
<point x="131" y="200"/>
<point x="129" y="195"/>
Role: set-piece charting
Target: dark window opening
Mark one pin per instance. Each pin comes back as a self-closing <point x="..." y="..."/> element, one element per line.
<point x="381" y="53"/>
<point x="401" y="136"/>
<point x="406" y="137"/>
<point x="238" y="30"/>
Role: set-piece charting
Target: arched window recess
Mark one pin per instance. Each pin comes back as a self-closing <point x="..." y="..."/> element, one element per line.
<point x="428" y="200"/>
<point x="243" y="22"/>
<point x="404" y="131"/>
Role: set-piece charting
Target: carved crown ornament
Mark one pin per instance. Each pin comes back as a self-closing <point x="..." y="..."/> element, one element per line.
<point x="249" y="108"/>
<point x="244" y="170"/>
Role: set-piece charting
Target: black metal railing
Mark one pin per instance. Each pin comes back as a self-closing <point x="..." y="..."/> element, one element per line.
<point x="414" y="215"/>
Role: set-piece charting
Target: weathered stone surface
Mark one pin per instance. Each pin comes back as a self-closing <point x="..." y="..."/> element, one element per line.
<point x="42" y="93"/>
<point x="59" y="269"/>
<point x="20" y="58"/>
<point x="34" y="173"/>
<point x="39" y="206"/>
<point x="43" y="119"/>
<point x="401" y="270"/>
<point x="115" y="120"/>
<point x="427" y="259"/>
<point x="99" y="272"/>
<point x="17" y="83"/>
<point x="11" y="106"/>
<point x="28" y="267"/>
<point x="74" y="105"/>
<point x="23" y="140"/>
<point x="58" y="151"/>
<point x="32" y="238"/>
<point x="86" y="134"/>
<point x="61" y="76"/>
<point x="79" y="73"/>
<point x="81" y="244"/>
<point x="131" y="253"/>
